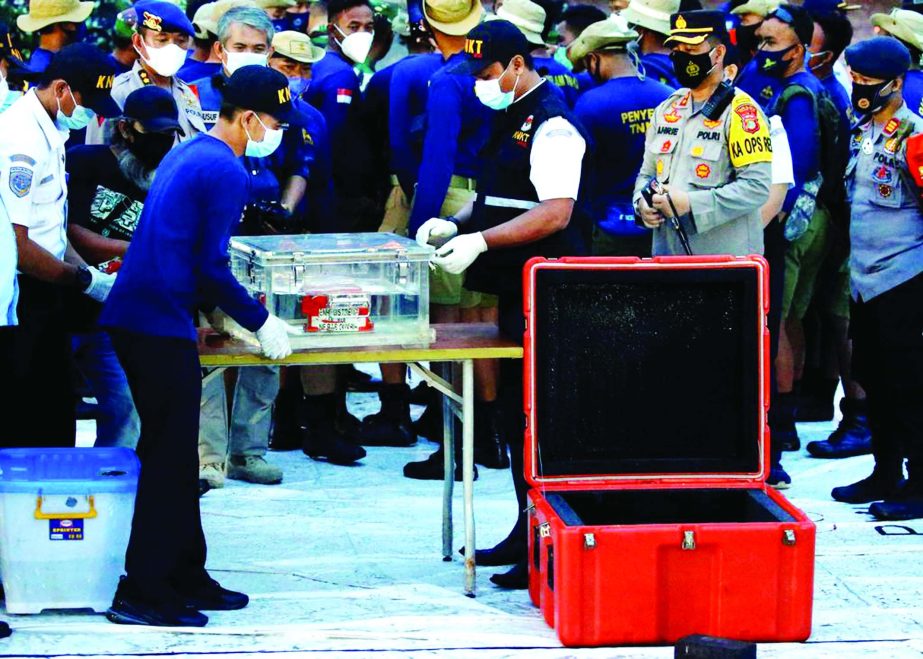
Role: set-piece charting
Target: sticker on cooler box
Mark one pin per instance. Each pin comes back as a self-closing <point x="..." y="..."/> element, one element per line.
<point x="65" y="529"/>
<point x="350" y="324"/>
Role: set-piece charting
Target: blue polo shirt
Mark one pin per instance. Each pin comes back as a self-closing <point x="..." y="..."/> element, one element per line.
<point x="178" y="258"/>
<point x="457" y="128"/>
<point x="407" y="115"/>
<point x="196" y="70"/>
<point x="616" y="114"/>
<point x="559" y="76"/>
<point x="660" y="67"/>
<point x="317" y="207"/>
<point x="800" y="121"/>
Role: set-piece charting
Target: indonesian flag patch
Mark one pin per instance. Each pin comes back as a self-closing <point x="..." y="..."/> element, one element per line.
<point x="527" y="125"/>
<point x="345" y="96"/>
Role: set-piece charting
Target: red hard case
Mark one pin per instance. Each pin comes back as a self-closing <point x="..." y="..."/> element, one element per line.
<point x="622" y="552"/>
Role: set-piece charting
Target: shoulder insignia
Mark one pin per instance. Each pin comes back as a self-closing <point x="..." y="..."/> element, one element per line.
<point x="749" y="117"/>
<point x="712" y="124"/>
<point x="20" y="181"/>
<point x="890" y="127"/>
<point x="144" y="77"/>
<point x="21" y="157"/>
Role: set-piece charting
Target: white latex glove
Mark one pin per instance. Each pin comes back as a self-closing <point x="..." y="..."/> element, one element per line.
<point x="436" y="228"/>
<point x="460" y="252"/>
<point x="100" y="285"/>
<point x="273" y="338"/>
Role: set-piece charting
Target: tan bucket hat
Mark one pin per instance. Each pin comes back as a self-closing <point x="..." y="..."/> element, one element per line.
<point x="903" y="24"/>
<point x="43" y="13"/>
<point x="297" y="46"/>
<point x="760" y="8"/>
<point x="453" y="17"/>
<point x="207" y="16"/>
<point x="527" y="16"/>
<point x="652" y="14"/>
<point x="610" y="33"/>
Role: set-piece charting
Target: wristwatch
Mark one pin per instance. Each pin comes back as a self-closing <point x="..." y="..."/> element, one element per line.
<point x="84" y="277"/>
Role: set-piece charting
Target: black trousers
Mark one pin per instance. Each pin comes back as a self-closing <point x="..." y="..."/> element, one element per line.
<point x="166" y="552"/>
<point x="38" y="406"/>
<point x="512" y="325"/>
<point x="774" y="246"/>
<point x="887" y="333"/>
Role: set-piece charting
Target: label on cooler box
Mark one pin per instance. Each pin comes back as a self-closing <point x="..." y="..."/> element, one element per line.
<point x="65" y="529"/>
<point x="347" y="324"/>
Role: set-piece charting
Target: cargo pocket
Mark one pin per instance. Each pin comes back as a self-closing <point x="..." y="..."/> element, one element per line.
<point x="705" y="166"/>
<point x="886" y="187"/>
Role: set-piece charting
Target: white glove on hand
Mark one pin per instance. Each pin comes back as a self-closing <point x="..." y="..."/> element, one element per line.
<point x="460" y="252"/>
<point x="437" y="229"/>
<point x="100" y="285"/>
<point x="273" y="338"/>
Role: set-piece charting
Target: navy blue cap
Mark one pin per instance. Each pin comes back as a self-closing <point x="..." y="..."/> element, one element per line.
<point x="821" y="7"/>
<point x="160" y="16"/>
<point x="261" y="89"/>
<point x="86" y="69"/>
<point x="489" y="42"/>
<point x="154" y="108"/>
<point x="884" y="58"/>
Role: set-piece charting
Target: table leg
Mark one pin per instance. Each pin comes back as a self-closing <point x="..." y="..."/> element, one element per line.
<point x="468" y="471"/>
<point x="448" y="485"/>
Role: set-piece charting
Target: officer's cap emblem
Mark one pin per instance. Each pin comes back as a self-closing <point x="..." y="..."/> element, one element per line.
<point x="864" y="104"/>
<point x="152" y="22"/>
<point x="681" y="23"/>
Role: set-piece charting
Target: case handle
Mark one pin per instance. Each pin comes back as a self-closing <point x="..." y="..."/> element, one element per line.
<point x="89" y="514"/>
<point x="688" y="540"/>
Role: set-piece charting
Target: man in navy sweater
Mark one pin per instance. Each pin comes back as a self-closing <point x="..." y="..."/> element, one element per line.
<point x="177" y="263"/>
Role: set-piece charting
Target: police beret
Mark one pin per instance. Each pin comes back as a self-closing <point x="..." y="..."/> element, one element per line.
<point x="693" y="27"/>
<point x="613" y="32"/>
<point x="160" y="16"/>
<point x="902" y="24"/>
<point x="880" y="57"/>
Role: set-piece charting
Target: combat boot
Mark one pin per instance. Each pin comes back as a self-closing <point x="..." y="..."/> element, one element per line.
<point x="852" y="437"/>
<point x="320" y="438"/>
<point x="391" y="426"/>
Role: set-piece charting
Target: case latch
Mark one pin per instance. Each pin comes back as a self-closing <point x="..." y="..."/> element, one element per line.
<point x="688" y="540"/>
<point x="589" y="541"/>
<point x="544" y="530"/>
<point x="788" y="537"/>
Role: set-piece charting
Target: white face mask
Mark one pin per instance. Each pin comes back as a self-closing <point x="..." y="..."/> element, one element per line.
<point x="272" y="138"/>
<point x="237" y="60"/>
<point x="166" y="60"/>
<point x="490" y="94"/>
<point x="356" y="46"/>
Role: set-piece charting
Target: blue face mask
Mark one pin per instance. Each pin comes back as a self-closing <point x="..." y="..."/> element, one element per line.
<point x="272" y="138"/>
<point x="282" y="24"/>
<point x="298" y="86"/>
<point x="79" y="119"/>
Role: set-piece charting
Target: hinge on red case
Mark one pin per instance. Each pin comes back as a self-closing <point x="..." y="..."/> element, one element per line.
<point x="688" y="540"/>
<point x="788" y="537"/>
<point x="589" y="541"/>
<point x="544" y="530"/>
<point x="530" y="508"/>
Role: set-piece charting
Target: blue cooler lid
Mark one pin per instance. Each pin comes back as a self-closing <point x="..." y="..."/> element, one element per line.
<point x="68" y="470"/>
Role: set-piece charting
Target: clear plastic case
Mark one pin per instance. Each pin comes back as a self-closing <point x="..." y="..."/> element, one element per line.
<point x="340" y="289"/>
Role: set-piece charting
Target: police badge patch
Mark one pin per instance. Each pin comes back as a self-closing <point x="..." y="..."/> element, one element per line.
<point x="20" y="181"/>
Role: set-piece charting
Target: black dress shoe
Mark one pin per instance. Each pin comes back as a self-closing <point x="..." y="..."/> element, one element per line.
<point x="129" y="611"/>
<point x="873" y="488"/>
<point x="516" y="578"/>
<point x="210" y="596"/>
<point x="506" y="552"/>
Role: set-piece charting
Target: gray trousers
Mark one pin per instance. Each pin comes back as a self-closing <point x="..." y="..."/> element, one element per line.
<point x="251" y="415"/>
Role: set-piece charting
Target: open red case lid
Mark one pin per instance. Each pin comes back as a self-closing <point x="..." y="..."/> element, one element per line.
<point x="644" y="371"/>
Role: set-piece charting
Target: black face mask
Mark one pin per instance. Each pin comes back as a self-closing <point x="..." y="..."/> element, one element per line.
<point x="692" y="70"/>
<point x="747" y="41"/>
<point x="868" y="99"/>
<point x="150" y="148"/>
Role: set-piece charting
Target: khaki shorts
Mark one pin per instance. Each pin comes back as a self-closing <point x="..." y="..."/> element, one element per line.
<point x="803" y="260"/>
<point x="397" y="211"/>
<point x="445" y="288"/>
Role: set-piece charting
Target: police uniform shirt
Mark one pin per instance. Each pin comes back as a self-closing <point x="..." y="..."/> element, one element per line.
<point x="559" y="76"/>
<point x="9" y="286"/>
<point x="886" y="226"/>
<point x="725" y="166"/>
<point x="190" y="112"/>
<point x="33" y="182"/>
<point x="913" y="91"/>
<point x="617" y="114"/>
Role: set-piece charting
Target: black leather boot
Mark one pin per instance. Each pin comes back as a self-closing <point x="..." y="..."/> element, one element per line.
<point x="320" y="436"/>
<point x="489" y="446"/>
<point x="286" y="424"/>
<point x="877" y="487"/>
<point x="516" y="578"/>
<point x="852" y="437"/>
<point x="391" y="426"/>
<point x="432" y="468"/>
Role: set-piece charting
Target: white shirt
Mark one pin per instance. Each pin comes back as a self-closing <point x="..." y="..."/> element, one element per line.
<point x="557" y="160"/>
<point x="33" y="182"/>
<point x="782" y="173"/>
<point x="9" y="286"/>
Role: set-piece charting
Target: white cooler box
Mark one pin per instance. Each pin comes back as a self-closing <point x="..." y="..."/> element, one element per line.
<point x="65" y="520"/>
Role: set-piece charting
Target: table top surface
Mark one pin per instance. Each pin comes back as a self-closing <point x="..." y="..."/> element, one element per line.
<point x="454" y="342"/>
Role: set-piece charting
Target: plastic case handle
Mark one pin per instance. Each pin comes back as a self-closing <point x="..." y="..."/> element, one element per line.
<point x="90" y="514"/>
